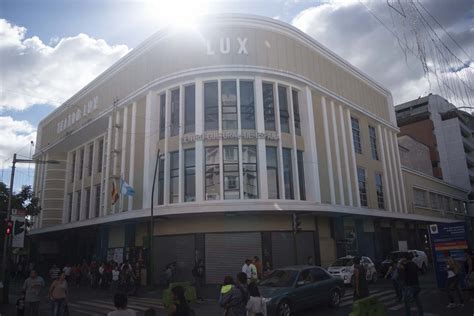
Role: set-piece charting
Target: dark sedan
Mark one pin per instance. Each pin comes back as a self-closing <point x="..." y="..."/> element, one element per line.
<point x="296" y="288"/>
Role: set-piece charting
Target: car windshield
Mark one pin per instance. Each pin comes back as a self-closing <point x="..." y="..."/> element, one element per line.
<point x="343" y="262"/>
<point x="397" y="255"/>
<point x="280" y="278"/>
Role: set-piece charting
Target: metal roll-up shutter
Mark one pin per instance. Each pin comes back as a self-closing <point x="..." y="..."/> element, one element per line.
<point x="174" y="248"/>
<point x="226" y="253"/>
<point x="282" y="249"/>
<point x="305" y="246"/>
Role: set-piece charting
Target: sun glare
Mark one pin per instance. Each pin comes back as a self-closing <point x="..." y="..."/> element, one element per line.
<point x="177" y="13"/>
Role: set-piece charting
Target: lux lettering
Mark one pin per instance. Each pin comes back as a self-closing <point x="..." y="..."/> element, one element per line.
<point x="225" y="46"/>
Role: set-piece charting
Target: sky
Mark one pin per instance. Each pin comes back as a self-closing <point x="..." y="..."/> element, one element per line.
<point x="50" y="49"/>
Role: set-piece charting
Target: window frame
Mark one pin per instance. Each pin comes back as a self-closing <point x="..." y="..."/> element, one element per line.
<point x="231" y="165"/>
<point x="363" y="194"/>
<point x="250" y="168"/>
<point x="162" y="130"/>
<point x="245" y="109"/>
<point x="215" y="170"/>
<point x="173" y="176"/>
<point x="356" y="139"/>
<point x="211" y="118"/>
<point x="189" y="172"/>
<point x="288" y="184"/>
<point x="269" y="115"/>
<point x="230" y="108"/>
<point x="296" y="111"/>
<point x="189" y="103"/>
<point x="379" y="190"/>
<point x="373" y="142"/>
<point x="284" y="111"/>
<point x="275" y="168"/>
<point x="174" y="109"/>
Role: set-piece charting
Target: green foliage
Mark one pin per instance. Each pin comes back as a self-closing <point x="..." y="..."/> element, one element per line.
<point x="189" y="294"/>
<point x="23" y="200"/>
<point x="369" y="306"/>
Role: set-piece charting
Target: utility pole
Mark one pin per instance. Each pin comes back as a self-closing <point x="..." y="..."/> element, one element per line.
<point x="152" y="222"/>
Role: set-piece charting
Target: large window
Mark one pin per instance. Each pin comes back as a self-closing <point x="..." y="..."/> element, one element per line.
<point x="457" y="205"/>
<point x="174" y="122"/>
<point x="73" y="166"/>
<point x="229" y="104"/>
<point x="446" y="204"/>
<point x="284" y="114"/>
<point x="162" y="115"/>
<point x="211" y="106"/>
<point x="174" y="177"/>
<point x="249" y="165"/>
<point x="373" y="143"/>
<point x="88" y="202"/>
<point x="97" y="201"/>
<point x="189" y="108"/>
<point x="419" y="197"/>
<point x="89" y="164"/>
<point x="296" y="111"/>
<point x="272" y="173"/>
<point x="434" y="201"/>
<point x="247" y="105"/>
<point x="356" y="135"/>
<point x="302" y="185"/>
<point x="379" y="190"/>
<point x="362" y="186"/>
<point x="78" y="205"/>
<point x="69" y="209"/>
<point x="231" y="173"/>
<point x="100" y="156"/>
<point x="161" y="181"/>
<point x="212" y="173"/>
<point x="189" y="175"/>
<point x="288" y="174"/>
<point x="268" y="106"/>
<point x="81" y="163"/>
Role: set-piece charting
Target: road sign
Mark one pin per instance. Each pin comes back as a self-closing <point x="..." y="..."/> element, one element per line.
<point x="18" y="236"/>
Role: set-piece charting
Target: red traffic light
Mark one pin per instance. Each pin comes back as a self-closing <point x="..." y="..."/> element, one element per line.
<point x="9" y="228"/>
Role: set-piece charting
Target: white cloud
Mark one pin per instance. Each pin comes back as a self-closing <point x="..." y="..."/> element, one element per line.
<point x="16" y="135"/>
<point x="37" y="73"/>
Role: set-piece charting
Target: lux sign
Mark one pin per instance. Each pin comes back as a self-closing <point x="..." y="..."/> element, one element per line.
<point x="225" y="46"/>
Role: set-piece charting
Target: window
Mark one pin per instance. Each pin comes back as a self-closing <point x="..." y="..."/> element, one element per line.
<point x="162" y="115"/>
<point x="284" y="114"/>
<point x="211" y="110"/>
<point x="356" y="135"/>
<point x="189" y="108"/>
<point x="434" y="201"/>
<point x="229" y="104"/>
<point x="89" y="164"/>
<point x="88" y="202"/>
<point x="97" y="201"/>
<point x="272" y="173"/>
<point x="161" y="180"/>
<point x="78" y="205"/>
<point x="302" y="185"/>
<point x="81" y="163"/>
<point x="174" y="177"/>
<point x="100" y="156"/>
<point x="296" y="111"/>
<point x="268" y="107"/>
<point x="247" y="105"/>
<point x="249" y="165"/>
<point x="288" y="174"/>
<point x="457" y="206"/>
<point x="189" y="175"/>
<point x="419" y="198"/>
<point x="362" y="186"/>
<point x="69" y="198"/>
<point x="373" y="143"/>
<point x="212" y="173"/>
<point x="379" y="190"/>
<point x="73" y="166"/>
<point x="174" y="122"/>
<point x="231" y="173"/>
<point x="446" y="204"/>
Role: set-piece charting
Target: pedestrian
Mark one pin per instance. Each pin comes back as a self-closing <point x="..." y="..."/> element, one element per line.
<point x="115" y="277"/>
<point x="180" y="306"/>
<point x="20" y="305"/>
<point x="469" y="269"/>
<point x="234" y="297"/>
<point x="58" y="294"/>
<point x="54" y="272"/>
<point x="32" y="287"/>
<point x="120" y="303"/>
<point x="394" y="273"/>
<point x="267" y="269"/>
<point x="452" y="282"/>
<point x="102" y="276"/>
<point x="67" y="272"/>
<point x="256" y="305"/>
<point x="258" y="265"/>
<point x="198" y="275"/>
<point x="361" y="288"/>
<point x="253" y="272"/>
<point x="246" y="269"/>
<point x="411" y="285"/>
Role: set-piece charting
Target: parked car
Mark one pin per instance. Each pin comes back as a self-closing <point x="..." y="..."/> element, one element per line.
<point x="419" y="257"/>
<point x="343" y="268"/>
<point x="296" y="288"/>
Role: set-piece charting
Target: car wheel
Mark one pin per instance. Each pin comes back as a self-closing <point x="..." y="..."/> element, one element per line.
<point x="335" y="299"/>
<point x="284" y="309"/>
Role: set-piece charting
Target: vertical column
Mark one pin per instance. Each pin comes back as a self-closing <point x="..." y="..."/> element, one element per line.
<point x="281" y="174"/>
<point x="387" y="187"/>
<point x="116" y="151"/>
<point x="239" y="132"/>
<point x="74" y="185"/>
<point x="390" y="173"/>
<point x="181" y="152"/>
<point x="346" y="156"/>
<point x="396" y="171"/>
<point x="199" y="143"/>
<point x="310" y="156"/>
<point x="261" y="150"/>
<point x="150" y="146"/>
<point x="328" y="150"/>
<point x="103" y="178"/>
<point x="221" y="151"/>
<point x="66" y="185"/>
<point x="352" y="154"/>
<point x="82" y="214"/>
<point x="338" y="156"/>
<point x="93" y="173"/>
<point x="294" y="151"/>
<point x="43" y="186"/>
<point x="131" y="169"/>
<point x="166" y="180"/>
<point x="123" y="157"/>
<point x="106" y="176"/>
<point x="400" y="175"/>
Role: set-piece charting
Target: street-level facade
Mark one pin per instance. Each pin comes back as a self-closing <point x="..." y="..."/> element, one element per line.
<point x="251" y="121"/>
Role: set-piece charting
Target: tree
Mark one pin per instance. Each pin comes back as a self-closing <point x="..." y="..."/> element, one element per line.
<point x="23" y="200"/>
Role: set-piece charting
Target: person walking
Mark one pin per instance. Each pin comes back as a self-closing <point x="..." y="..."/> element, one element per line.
<point x="32" y="287"/>
<point x="452" y="282"/>
<point x="361" y="288"/>
<point x="115" y="277"/>
<point x="411" y="285"/>
<point x="258" y="265"/>
<point x="67" y="272"/>
<point x="256" y="305"/>
<point x="120" y="303"/>
<point x="54" y="272"/>
<point x="394" y="273"/>
<point x="246" y="269"/>
<point x="58" y="294"/>
<point x="180" y="306"/>
<point x="234" y="297"/>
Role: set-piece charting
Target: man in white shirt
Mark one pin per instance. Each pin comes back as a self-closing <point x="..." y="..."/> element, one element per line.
<point x="120" y="302"/>
<point x="67" y="272"/>
<point x="247" y="269"/>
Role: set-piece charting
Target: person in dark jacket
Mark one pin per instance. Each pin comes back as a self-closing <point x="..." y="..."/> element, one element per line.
<point x="180" y="306"/>
<point x="411" y="285"/>
<point x="234" y="297"/>
<point x="361" y="288"/>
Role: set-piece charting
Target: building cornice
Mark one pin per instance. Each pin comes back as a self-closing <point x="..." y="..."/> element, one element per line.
<point x="431" y="178"/>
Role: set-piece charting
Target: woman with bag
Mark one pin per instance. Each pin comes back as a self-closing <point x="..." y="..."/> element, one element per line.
<point x="58" y="295"/>
<point x="452" y="283"/>
<point x="256" y="305"/>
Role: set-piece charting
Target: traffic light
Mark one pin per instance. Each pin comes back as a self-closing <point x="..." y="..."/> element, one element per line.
<point x="9" y="228"/>
<point x="296" y="223"/>
<point x="19" y="227"/>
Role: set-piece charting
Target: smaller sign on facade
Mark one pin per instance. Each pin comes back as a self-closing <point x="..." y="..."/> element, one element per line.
<point x="215" y="135"/>
<point x="77" y="113"/>
<point x="19" y="227"/>
<point x="447" y="240"/>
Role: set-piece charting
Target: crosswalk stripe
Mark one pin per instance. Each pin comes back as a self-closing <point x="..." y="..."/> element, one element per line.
<point x="351" y="297"/>
<point x="88" y="310"/>
<point x="396" y="307"/>
<point x="347" y="302"/>
<point x="146" y="300"/>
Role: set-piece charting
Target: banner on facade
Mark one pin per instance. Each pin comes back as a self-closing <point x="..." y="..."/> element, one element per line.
<point x="18" y="235"/>
<point x="447" y="239"/>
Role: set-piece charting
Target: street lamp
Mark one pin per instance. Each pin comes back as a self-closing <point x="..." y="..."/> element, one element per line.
<point x="7" y="240"/>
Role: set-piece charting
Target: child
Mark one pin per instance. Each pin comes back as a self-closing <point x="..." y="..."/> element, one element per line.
<point x="20" y="305"/>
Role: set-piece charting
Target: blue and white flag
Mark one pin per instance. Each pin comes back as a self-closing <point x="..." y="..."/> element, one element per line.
<point x="125" y="188"/>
